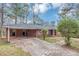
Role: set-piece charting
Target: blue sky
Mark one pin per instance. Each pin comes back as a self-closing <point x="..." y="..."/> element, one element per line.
<point x="50" y="15"/>
<point x="48" y="12"/>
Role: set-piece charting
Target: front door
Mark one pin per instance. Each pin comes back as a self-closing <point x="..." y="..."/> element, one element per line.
<point x="23" y="34"/>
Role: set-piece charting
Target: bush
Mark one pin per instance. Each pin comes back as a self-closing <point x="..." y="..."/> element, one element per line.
<point x="44" y="34"/>
<point x="68" y="28"/>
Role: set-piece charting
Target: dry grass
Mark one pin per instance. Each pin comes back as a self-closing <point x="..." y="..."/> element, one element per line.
<point x="53" y="39"/>
<point x="75" y="43"/>
<point x="59" y="40"/>
<point x="7" y="49"/>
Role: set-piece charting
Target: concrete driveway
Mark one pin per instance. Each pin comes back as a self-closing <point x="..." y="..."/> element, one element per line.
<point x="39" y="47"/>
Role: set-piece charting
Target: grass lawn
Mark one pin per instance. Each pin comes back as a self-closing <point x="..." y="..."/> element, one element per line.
<point x="57" y="40"/>
<point x="7" y="49"/>
<point x="75" y="43"/>
<point x="53" y="39"/>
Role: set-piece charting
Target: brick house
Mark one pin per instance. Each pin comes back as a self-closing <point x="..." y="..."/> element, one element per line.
<point x="26" y="30"/>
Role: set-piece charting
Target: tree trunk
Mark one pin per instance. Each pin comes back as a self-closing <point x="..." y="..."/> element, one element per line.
<point x="15" y="19"/>
<point x="16" y="13"/>
<point x="2" y="6"/>
<point x="26" y="17"/>
<point x="67" y="40"/>
<point x="44" y="35"/>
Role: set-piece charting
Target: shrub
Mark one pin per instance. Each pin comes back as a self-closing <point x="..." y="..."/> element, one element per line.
<point x="44" y="34"/>
<point x="68" y="28"/>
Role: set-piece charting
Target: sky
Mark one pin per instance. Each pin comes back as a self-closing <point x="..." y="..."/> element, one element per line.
<point x="48" y="12"/>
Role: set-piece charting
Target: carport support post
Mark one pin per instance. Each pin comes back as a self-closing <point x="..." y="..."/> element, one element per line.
<point x="8" y="34"/>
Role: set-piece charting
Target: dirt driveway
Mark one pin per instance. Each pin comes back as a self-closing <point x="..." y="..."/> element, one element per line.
<point x="39" y="47"/>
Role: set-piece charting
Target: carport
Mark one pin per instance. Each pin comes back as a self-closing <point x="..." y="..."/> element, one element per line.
<point x="26" y="30"/>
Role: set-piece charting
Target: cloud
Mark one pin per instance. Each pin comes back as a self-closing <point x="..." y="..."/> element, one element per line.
<point x="41" y="8"/>
<point x="29" y="21"/>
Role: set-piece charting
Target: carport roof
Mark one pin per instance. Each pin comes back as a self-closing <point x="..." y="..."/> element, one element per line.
<point x="29" y="26"/>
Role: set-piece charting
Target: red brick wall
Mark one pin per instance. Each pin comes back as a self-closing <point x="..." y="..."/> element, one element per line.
<point x="30" y="32"/>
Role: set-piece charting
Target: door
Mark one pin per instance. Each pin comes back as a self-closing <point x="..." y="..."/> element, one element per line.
<point x="23" y="34"/>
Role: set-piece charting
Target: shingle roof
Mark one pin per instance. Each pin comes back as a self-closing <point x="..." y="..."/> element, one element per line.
<point x="29" y="26"/>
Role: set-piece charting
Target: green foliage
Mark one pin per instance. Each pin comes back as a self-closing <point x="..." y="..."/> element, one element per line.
<point x="68" y="28"/>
